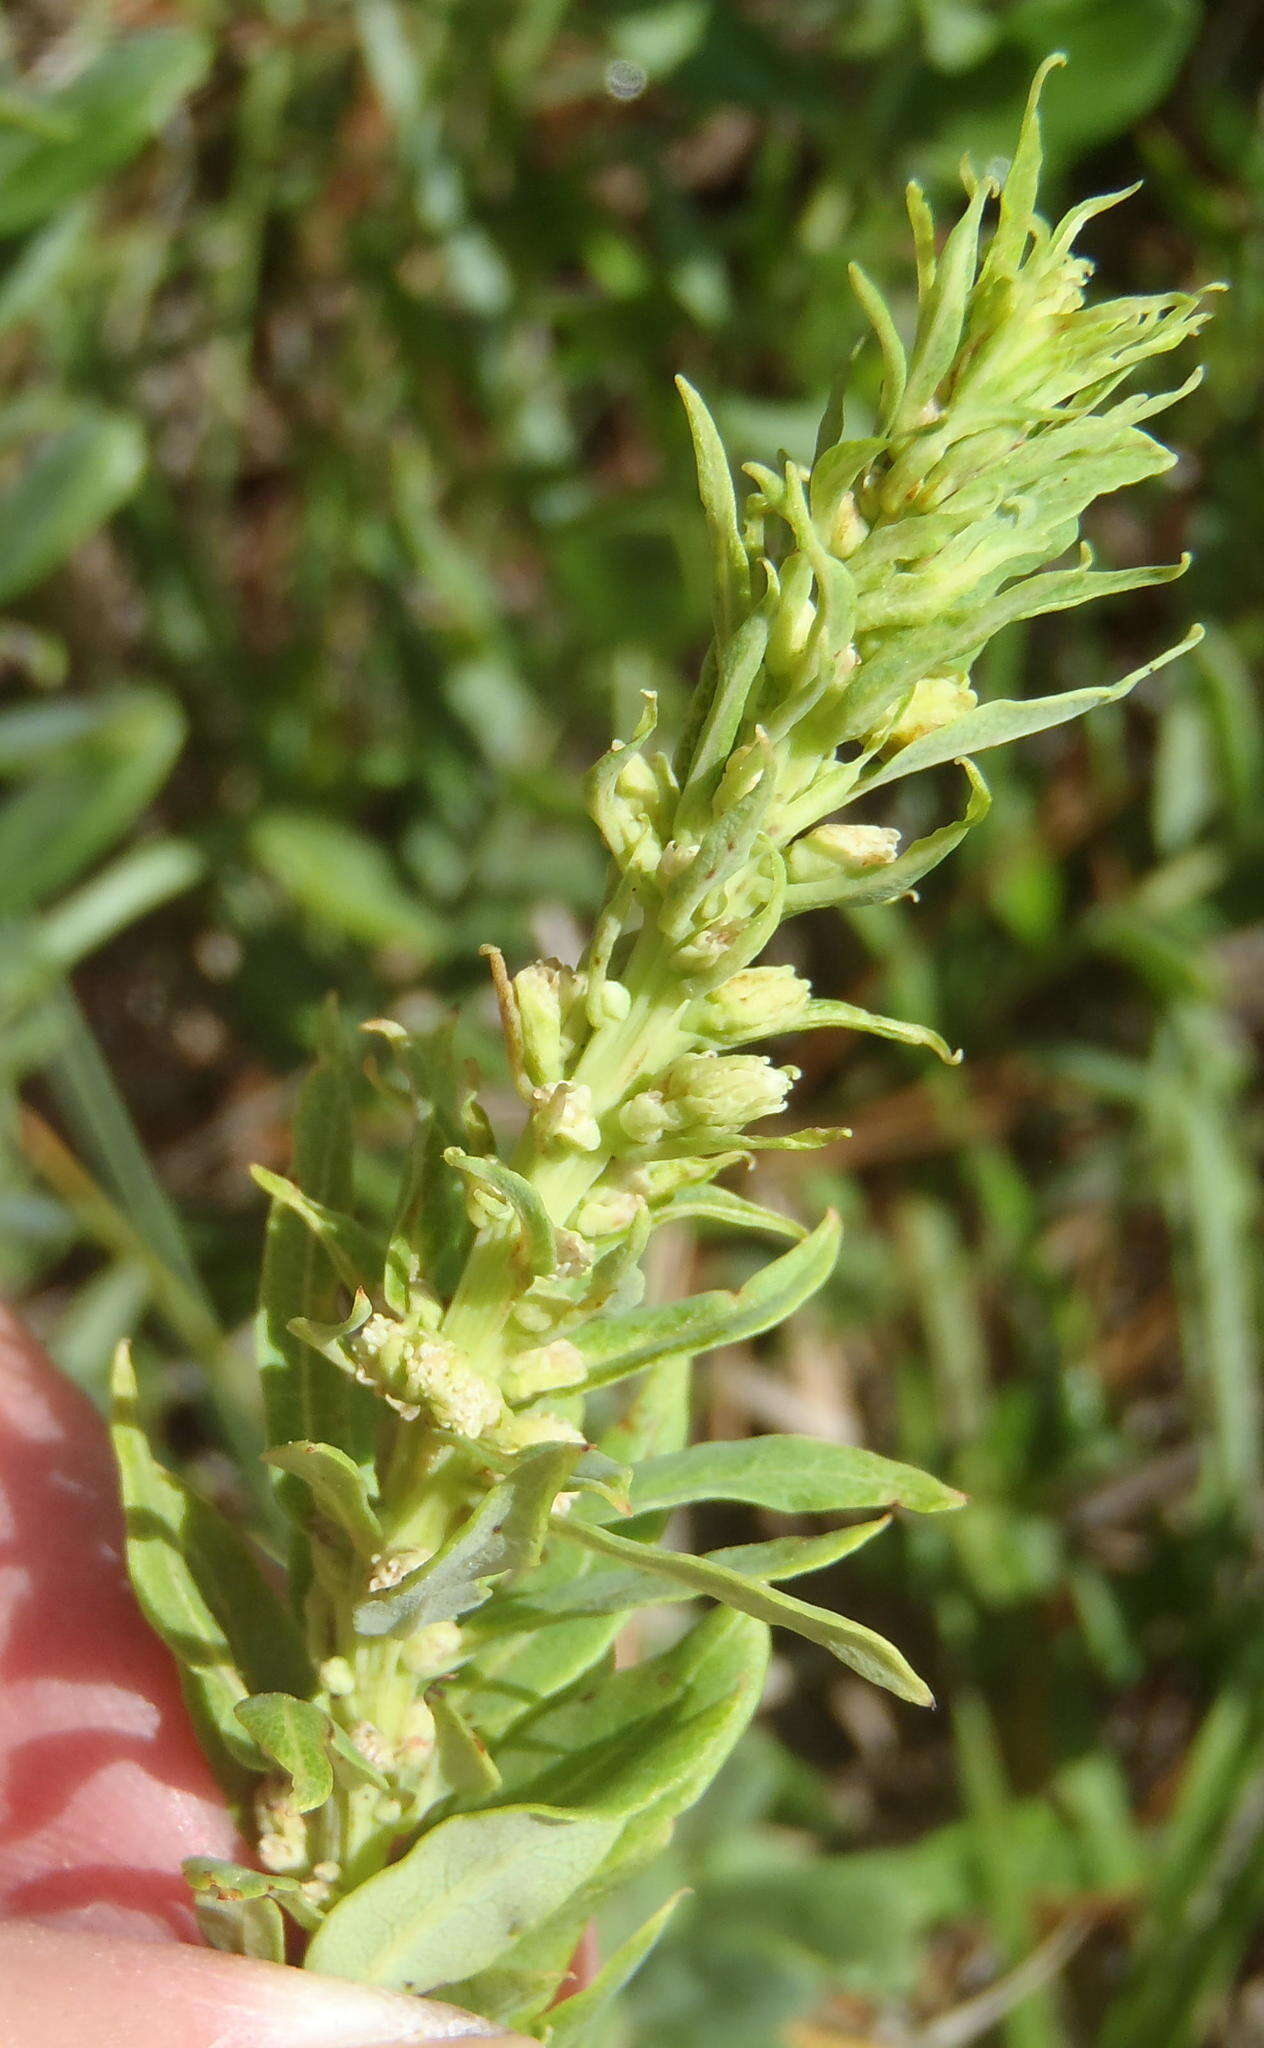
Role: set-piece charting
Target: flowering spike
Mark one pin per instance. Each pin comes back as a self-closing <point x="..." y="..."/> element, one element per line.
<point x="450" y="1521"/>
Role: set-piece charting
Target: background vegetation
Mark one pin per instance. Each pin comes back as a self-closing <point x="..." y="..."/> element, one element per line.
<point x="344" y="502"/>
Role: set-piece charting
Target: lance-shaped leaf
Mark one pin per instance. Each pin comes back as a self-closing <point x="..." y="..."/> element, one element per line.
<point x="337" y="1486"/>
<point x="942" y="313"/>
<point x="266" y="1640"/>
<point x="730" y="569"/>
<point x="737" y="668"/>
<point x="734" y="1212"/>
<point x="307" y="1398"/>
<point x="795" y="1474"/>
<point x="995" y="725"/>
<point x="617" y="1592"/>
<point x="355" y="1254"/>
<point x="266" y="1645"/>
<point x="572" y="2021"/>
<point x="860" y="1648"/>
<point x="503" y="1534"/>
<point x="822" y="1014"/>
<point x="1018" y="194"/>
<point x="157" y="1511"/>
<point x="295" y="1734"/>
<point x="809" y="1138"/>
<point x="95" y="121"/>
<point x="643" y="1745"/>
<point x="509" y="1192"/>
<point x="461" y="1897"/>
<point x="887" y="884"/>
<point x="621" y="1345"/>
<point x="431" y="1232"/>
<point x="894" y="360"/>
<point x="72" y="484"/>
<point x="515" y="1672"/>
<point x="955" y="641"/>
<point x="655" y="1419"/>
<point x="405" y="1268"/>
<point x="465" y="1762"/>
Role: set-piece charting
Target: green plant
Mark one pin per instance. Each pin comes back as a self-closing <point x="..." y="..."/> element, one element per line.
<point x="444" y="1770"/>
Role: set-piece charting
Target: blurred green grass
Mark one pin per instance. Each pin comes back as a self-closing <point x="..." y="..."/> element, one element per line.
<point x="343" y="505"/>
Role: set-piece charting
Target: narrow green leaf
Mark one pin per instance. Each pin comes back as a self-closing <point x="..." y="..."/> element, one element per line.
<point x="821" y="1014"/>
<point x="355" y="1254"/>
<point x="824" y="1015"/>
<point x="866" y="1652"/>
<point x="792" y="1557"/>
<point x="719" y="503"/>
<point x="618" y="1592"/>
<point x="941" y="315"/>
<point x="1021" y="187"/>
<point x="156" y="1510"/>
<point x="571" y="2021"/>
<point x="96" y="122"/>
<point x="503" y="1534"/>
<point x="954" y="642"/>
<point x="307" y="1398"/>
<point x="343" y="880"/>
<point x="995" y="725"/>
<point x="737" y="671"/>
<point x="656" y="1418"/>
<point x="895" y="363"/>
<point x="645" y="1742"/>
<point x="794" y="1474"/>
<point x="119" y="895"/>
<point x="266" y="1647"/>
<point x="517" y="1671"/>
<point x="266" y="1640"/>
<point x="465" y="1762"/>
<point x="72" y="485"/>
<point x="808" y="1138"/>
<point x="338" y="1488"/>
<point x="461" y="1897"/>
<point x="82" y="791"/>
<point x="615" y="1347"/>
<point x="711" y="1204"/>
<point x="294" y="1733"/>
<point x="887" y="884"/>
<point x="432" y="1221"/>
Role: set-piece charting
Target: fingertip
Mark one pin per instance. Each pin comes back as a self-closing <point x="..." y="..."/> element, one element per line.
<point x="57" y="1987"/>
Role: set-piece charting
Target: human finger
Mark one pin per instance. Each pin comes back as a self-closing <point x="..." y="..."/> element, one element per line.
<point x="103" y="1788"/>
<point x="58" y="1986"/>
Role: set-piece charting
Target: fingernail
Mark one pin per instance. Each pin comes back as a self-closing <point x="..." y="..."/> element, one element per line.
<point x="429" y="2021"/>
